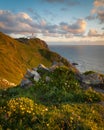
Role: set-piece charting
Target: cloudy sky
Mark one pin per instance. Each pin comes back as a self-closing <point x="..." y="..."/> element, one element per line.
<point x="54" y="20"/>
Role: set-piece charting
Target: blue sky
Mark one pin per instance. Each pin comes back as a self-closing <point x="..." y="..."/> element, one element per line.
<point x="53" y="20"/>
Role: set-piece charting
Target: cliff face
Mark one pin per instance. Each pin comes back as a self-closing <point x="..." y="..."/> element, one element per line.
<point x="16" y="55"/>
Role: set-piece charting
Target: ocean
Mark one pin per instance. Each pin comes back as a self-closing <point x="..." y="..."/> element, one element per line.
<point x="88" y="57"/>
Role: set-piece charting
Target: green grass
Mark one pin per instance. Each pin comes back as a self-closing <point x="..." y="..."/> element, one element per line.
<point x="89" y="72"/>
<point x="58" y="104"/>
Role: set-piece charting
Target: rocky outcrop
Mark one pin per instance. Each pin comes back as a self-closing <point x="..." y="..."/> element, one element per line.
<point x="25" y="82"/>
<point x="36" y="73"/>
<point x="55" y="65"/>
<point x="88" y="79"/>
<point x="74" y="63"/>
<point x="30" y="74"/>
<point x="42" y="67"/>
<point x="92" y="79"/>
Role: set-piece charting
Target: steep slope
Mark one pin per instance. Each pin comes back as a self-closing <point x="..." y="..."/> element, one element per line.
<point x="16" y="55"/>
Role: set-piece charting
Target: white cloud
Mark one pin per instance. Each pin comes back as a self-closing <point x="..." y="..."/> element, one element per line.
<point x="19" y="24"/>
<point x="98" y="3"/>
<point x="98" y="10"/>
<point x="15" y="23"/>
<point x="23" y="23"/>
<point x="78" y="27"/>
<point x="95" y="33"/>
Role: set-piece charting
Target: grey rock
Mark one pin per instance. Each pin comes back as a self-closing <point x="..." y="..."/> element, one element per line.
<point x="48" y="79"/>
<point x="74" y="63"/>
<point x="55" y="65"/>
<point x="36" y="76"/>
<point x="31" y="73"/>
<point x="92" y="79"/>
<point x="25" y="82"/>
<point x="42" y="67"/>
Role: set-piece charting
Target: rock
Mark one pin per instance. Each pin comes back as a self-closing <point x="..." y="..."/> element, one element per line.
<point x="74" y="63"/>
<point x="35" y="69"/>
<point x="42" y="67"/>
<point x="55" y="65"/>
<point x="25" y="82"/>
<point x="92" y="79"/>
<point x="48" y="79"/>
<point x="35" y="73"/>
<point x="36" y="76"/>
<point x="31" y="73"/>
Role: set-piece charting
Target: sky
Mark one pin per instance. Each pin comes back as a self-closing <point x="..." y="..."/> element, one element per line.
<point x="55" y="21"/>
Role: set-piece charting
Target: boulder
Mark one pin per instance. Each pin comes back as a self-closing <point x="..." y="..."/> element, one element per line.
<point x="47" y="79"/>
<point x="74" y="63"/>
<point x="92" y="79"/>
<point x="25" y="82"/>
<point x="35" y="69"/>
<point x="31" y="73"/>
<point x="42" y="67"/>
<point x="36" y="76"/>
<point x="55" y="65"/>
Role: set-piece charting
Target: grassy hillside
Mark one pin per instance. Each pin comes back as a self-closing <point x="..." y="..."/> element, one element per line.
<point x="18" y="55"/>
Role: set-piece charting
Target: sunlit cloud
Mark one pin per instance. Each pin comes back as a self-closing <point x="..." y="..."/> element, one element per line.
<point x="94" y="33"/>
<point x="98" y="3"/>
<point x="22" y="24"/>
<point x="98" y="10"/>
<point x="78" y="27"/>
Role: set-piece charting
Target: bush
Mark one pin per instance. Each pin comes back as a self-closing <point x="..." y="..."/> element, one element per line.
<point x="21" y="113"/>
<point x="57" y="104"/>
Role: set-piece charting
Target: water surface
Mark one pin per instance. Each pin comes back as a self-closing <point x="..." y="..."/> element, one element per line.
<point x="88" y="57"/>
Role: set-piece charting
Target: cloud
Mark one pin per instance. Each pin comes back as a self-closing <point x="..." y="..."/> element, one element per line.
<point x="22" y="23"/>
<point x="90" y="17"/>
<point x="98" y="10"/>
<point x="94" y="33"/>
<point x="100" y="15"/>
<point x="98" y="3"/>
<point x="78" y="27"/>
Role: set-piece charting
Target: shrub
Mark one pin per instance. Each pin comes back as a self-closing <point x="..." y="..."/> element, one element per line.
<point x="21" y="113"/>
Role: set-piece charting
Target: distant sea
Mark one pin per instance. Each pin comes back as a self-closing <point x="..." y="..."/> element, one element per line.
<point x="88" y="57"/>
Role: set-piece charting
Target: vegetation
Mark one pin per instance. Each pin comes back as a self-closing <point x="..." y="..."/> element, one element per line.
<point x="57" y="104"/>
<point x="89" y="72"/>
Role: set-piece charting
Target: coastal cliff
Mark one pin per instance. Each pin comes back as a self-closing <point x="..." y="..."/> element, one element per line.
<point x="17" y="55"/>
